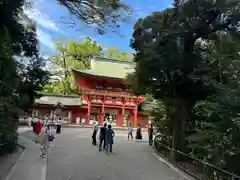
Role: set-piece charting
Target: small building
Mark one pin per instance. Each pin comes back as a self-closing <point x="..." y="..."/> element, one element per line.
<point x="53" y="106"/>
<point x="106" y="97"/>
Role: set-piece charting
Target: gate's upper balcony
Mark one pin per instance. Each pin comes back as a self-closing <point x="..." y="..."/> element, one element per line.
<point x="105" y="75"/>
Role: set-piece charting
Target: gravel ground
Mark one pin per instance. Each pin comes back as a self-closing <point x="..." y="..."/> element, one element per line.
<point x="72" y="157"/>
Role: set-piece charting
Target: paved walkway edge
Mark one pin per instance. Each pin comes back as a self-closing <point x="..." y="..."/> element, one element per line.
<point x="174" y="168"/>
<point x="28" y="165"/>
<point x="15" y="165"/>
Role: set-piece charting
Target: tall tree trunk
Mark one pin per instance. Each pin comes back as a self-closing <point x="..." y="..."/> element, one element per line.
<point x="180" y="119"/>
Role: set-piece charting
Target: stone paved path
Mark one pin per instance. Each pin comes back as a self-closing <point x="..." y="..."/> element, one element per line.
<point x="72" y="157"/>
<point x="29" y="166"/>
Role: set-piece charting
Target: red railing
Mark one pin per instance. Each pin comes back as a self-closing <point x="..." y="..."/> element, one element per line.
<point x="113" y="94"/>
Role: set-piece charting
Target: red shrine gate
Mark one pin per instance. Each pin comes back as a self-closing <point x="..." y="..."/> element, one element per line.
<point x="103" y="93"/>
<point x="121" y="102"/>
<point x="106" y="96"/>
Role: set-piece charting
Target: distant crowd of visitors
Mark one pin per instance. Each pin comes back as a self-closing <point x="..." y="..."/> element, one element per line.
<point x="45" y="134"/>
<point x="139" y="133"/>
<point x="106" y="137"/>
<point x="107" y="134"/>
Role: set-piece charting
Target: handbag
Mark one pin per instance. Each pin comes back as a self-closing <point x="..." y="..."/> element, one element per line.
<point x="51" y="137"/>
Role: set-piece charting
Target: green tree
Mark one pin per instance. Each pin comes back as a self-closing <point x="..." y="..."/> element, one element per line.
<point x="8" y="99"/>
<point x="21" y="37"/>
<point x="171" y="62"/>
<point x="115" y="53"/>
<point x="224" y="58"/>
<point x="71" y="55"/>
<point x="76" y="55"/>
<point x="217" y="131"/>
<point x="21" y="74"/>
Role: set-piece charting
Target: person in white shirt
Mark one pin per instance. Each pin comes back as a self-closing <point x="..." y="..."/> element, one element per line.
<point x="59" y="126"/>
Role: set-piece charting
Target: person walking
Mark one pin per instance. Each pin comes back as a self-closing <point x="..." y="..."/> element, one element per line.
<point x="150" y="134"/>
<point x="59" y="126"/>
<point x="44" y="140"/>
<point x="46" y="120"/>
<point x="33" y="124"/>
<point x="130" y="131"/>
<point x="102" y="136"/>
<point x="37" y="129"/>
<point x="139" y="133"/>
<point x="109" y="138"/>
<point x="94" y="135"/>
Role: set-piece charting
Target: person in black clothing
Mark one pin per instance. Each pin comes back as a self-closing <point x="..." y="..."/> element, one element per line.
<point x="59" y="126"/>
<point x="102" y="137"/>
<point x="139" y="133"/>
<point x="109" y="138"/>
<point x="33" y="124"/>
<point x="95" y="130"/>
<point x="150" y="134"/>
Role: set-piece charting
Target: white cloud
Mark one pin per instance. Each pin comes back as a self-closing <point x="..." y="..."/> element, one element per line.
<point x="41" y="19"/>
<point x="46" y="39"/>
<point x="45" y="25"/>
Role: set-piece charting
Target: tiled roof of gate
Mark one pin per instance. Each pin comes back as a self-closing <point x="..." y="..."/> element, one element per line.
<point x="92" y="73"/>
<point x="54" y="99"/>
<point x="111" y="68"/>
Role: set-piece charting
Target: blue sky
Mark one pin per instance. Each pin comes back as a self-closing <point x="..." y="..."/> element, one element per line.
<point x="50" y="18"/>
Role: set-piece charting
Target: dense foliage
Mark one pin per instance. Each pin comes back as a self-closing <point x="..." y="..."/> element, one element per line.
<point x="186" y="56"/>
<point x="21" y="74"/>
<point x="217" y="130"/>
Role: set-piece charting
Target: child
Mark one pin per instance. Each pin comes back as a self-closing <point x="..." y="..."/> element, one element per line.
<point x="109" y="138"/>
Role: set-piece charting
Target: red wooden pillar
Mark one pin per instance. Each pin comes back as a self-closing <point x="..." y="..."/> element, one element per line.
<point x="123" y="111"/>
<point x="88" y="100"/>
<point x="135" y="116"/>
<point x="70" y="117"/>
<point x="122" y="117"/>
<point x="102" y="113"/>
<point x="89" y="113"/>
